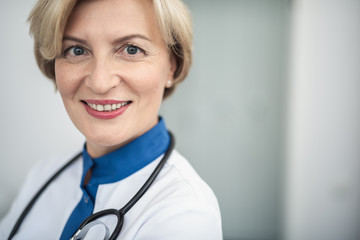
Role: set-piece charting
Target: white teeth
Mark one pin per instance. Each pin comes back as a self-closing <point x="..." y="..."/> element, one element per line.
<point x="107" y="107"/>
<point x="100" y="108"/>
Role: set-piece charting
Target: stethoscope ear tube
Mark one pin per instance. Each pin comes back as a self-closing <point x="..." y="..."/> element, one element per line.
<point x="118" y="213"/>
<point x="152" y="177"/>
<point x="121" y="212"/>
<point x="38" y="194"/>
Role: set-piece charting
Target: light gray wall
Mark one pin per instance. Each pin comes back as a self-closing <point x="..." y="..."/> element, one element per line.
<point x="228" y="113"/>
<point x="227" y="116"/>
<point x="323" y="169"/>
<point x="33" y="123"/>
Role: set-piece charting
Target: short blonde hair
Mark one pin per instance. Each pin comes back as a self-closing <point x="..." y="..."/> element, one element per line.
<point x="49" y="17"/>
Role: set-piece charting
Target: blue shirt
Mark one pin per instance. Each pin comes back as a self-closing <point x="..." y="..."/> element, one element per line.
<point x="114" y="167"/>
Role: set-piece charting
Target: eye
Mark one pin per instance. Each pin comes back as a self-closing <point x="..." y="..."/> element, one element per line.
<point x="76" y="51"/>
<point x="132" y="50"/>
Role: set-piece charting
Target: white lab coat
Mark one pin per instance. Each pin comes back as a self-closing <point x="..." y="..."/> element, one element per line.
<point x="178" y="206"/>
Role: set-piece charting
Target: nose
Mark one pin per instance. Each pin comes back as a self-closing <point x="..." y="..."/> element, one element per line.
<point x="102" y="76"/>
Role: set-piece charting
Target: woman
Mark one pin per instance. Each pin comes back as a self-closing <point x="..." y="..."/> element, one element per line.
<point x="113" y="62"/>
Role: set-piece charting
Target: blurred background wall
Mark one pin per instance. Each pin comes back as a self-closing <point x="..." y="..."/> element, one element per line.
<point x="323" y="137"/>
<point x="229" y="114"/>
<point x="234" y="117"/>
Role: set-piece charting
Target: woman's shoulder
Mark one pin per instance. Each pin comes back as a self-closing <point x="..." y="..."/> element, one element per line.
<point x="47" y="167"/>
<point x="180" y="197"/>
<point x="183" y="173"/>
<point x="180" y="182"/>
<point x="43" y="170"/>
<point x="35" y="179"/>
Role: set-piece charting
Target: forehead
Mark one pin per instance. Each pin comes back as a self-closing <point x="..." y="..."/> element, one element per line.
<point x="113" y="17"/>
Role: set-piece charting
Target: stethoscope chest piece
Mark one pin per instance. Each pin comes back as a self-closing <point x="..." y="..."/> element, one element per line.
<point x="92" y="221"/>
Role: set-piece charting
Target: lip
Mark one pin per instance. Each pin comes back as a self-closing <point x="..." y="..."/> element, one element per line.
<point x="104" y="115"/>
<point x="102" y="102"/>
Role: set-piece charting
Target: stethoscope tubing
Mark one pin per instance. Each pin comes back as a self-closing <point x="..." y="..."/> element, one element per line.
<point x="118" y="213"/>
<point x="121" y="212"/>
<point x="38" y="194"/>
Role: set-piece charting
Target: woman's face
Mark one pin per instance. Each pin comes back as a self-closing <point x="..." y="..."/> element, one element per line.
<point x="113" y="71"/>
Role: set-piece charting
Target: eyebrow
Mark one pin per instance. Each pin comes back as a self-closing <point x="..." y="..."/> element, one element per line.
<point x="116" y="41"/>
<point x="129" y="37"/>
<point x="69" y="38"/>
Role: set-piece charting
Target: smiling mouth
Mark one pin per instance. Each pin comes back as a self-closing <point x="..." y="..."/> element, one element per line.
<point x="106" y="107"/>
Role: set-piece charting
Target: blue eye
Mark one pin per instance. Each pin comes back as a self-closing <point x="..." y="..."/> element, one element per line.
<point x="132" y="50"/>
<point x="77" y="51"/>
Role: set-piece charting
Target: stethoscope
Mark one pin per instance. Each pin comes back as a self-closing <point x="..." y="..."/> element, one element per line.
<point x="91" y="221"/>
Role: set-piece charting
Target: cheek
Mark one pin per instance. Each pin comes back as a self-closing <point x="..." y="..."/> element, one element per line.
<point x="150" y="88"/>
<point x="151" y="79"/>
<point x="65" y="79"/>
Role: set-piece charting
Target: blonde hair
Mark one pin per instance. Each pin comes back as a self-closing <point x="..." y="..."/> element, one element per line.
<point x="49" y="17"/>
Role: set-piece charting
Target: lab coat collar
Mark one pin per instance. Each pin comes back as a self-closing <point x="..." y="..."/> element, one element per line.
<point x="128" y="159"/>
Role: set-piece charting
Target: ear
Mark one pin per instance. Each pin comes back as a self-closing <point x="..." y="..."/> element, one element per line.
<point x="173" y="67"/>
<point x="170" y="78"/>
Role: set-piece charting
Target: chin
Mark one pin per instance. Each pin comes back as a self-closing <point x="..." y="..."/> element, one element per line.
<point x="106" y="140"/>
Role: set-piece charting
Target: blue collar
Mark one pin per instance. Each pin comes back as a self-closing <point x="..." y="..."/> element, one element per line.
<point x="128" y="159"/>
<point x="114" y="167"/>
